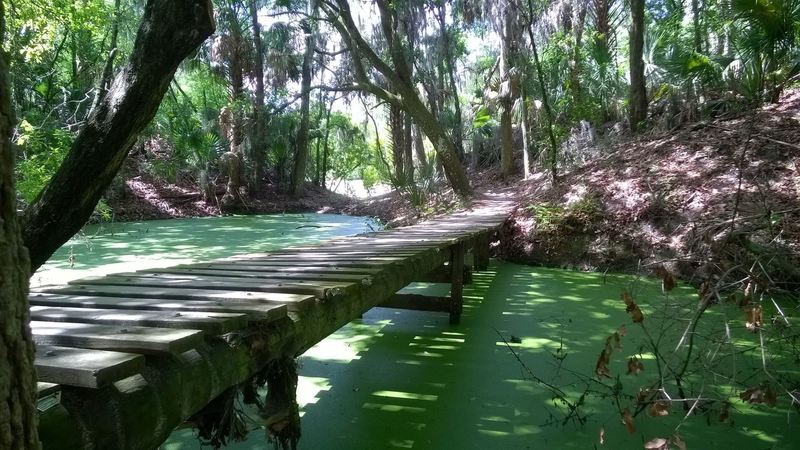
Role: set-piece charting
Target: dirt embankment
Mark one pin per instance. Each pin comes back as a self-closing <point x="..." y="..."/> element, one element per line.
<point x="701" y="200"/>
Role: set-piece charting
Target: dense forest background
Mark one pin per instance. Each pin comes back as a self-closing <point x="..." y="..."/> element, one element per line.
<point x="279" y="96"/>
<point x="649" y="137"/>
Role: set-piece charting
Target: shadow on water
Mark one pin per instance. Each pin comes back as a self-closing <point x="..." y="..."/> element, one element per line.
<point x="405" y="379"/>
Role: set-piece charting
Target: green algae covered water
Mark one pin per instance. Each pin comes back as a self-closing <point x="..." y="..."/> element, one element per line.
<point x="409" y="380"/>
<point x="122" y="247"/>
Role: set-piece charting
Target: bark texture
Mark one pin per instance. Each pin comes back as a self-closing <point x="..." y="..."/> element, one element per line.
<point x="258" y="149"/>
<point x="169" y="31"/>
<point x="638" y="112"/>
<point x="301" y="154"/>
<point x="18" y="415"/>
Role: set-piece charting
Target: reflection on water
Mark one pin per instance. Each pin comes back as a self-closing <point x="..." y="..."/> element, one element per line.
<point x="109" y="248"/>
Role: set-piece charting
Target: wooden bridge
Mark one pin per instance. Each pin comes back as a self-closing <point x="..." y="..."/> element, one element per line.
<point x="124" y="359"/>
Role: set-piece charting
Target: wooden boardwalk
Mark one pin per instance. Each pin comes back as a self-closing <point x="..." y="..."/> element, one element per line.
<point x="124" y="359"/>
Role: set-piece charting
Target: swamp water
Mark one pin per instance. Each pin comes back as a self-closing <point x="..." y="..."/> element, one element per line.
<point x="405" y="379"/>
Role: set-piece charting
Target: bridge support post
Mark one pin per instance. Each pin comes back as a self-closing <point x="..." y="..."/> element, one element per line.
<point x="456" y="283"/>
<point x="480" y="252"/>
<point x="280" y="412"/>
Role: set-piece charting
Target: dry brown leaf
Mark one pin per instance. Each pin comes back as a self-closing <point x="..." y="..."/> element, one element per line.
<point x="667" y="279"/>
<point x="659" y="408"/>
<point x="634" y="366"/>
<point x="636" y="314"/>
<point x="617" y="340"/>
<point x="645" y="395"/>
<point x="770" y="397"/>
<point x="627" y="299"/>
<point x="623" y="330"/>
<point x="627" y="419"/>
<point x="724" y="412"/>
<point x="602" y="435"/>
<point x="748" y="293"/>
<point x="753" y="318"/>
<point x="753" y="395"/>
<point x="657" y="444"/>
<point x="632" y="307"/>
<point x="601" y="369"/>
<point x="678" y="442"/>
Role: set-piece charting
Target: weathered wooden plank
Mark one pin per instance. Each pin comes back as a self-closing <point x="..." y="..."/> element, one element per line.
<point x="346" y="277"/>
<point x="320" y="289"/>
<point x="83" y="367"/>
<point x="209" y="322"/>
<point x="325" y="253"/>
<point x="372" y="263"/>
<point x="110" y="337"/>
<point x="255" y="311"/>
<point x="418" y="302"/>
<point x="45" y="389"/>
<point x="366" y="271"/>
<point x="318" y="259"/>
<point x="291" y="300"/>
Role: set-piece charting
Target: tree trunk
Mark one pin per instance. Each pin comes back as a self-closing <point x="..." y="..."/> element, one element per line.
<point x="545" y="97"/>
<point x="506" y="96"/>
<point x="257" y="141"/>
<point x="419" y="147"/>
<point x="578" y="21"/>
<point x="526" y="159"/>
<point x="324" y="174"/>
<point x="18" y="415"/>
<point x="231" y="117"/>
<point x="170" y="30"/>
<point x="301" y="154"/>
<point x="397" y="128"/>
<point x="449" y="63"/>
<point x="638" y="90"/>
<point x="108" y="70"/>
<point x="408" y="144"/>
<point x="407" y="96"/>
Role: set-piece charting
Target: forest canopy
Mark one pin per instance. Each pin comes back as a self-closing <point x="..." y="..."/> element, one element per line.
<point x="401" y="92"/>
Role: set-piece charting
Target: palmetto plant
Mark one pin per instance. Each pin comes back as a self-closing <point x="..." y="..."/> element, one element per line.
<point x="765" y="40"/>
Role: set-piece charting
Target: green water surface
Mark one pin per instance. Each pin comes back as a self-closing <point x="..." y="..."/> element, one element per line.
<point x="403" y="379"/>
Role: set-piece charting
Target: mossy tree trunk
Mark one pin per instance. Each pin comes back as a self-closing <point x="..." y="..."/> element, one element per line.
<point x="18" y="415"/>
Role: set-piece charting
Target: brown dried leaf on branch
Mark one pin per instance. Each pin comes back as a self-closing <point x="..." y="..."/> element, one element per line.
<point x="630" y="306"/>
<point x="627" y="419"/>
<point x="601" y="369"/>
<point x="659" y="408"/>
<point x="753" y="318"/>
<point x="724" y="412"/>
<point x="668" y="282"/>
<point x="623" y="330"/>
<point x="646" y="395"/>
<point x="617" y="340"/>
<point x="757" y="395"/>
<point x="748" y="293"/>
<point x="634" y="366"/>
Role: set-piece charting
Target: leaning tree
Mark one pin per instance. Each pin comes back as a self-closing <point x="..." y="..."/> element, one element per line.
<point x="368" y="65"/>
<point x="169" y="31"/>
